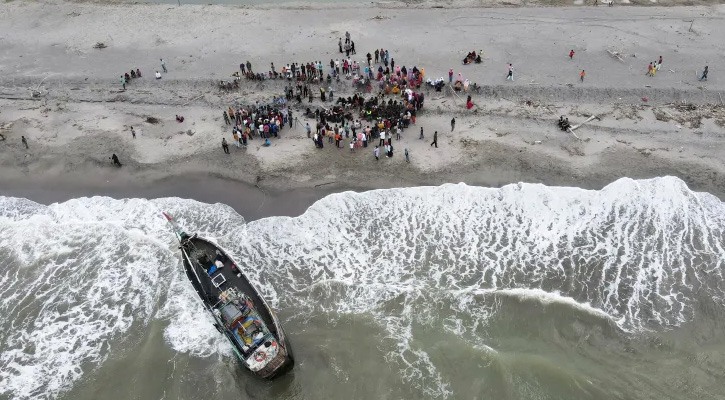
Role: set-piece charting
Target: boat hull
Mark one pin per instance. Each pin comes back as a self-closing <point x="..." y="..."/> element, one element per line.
<point x="209" y="293"/>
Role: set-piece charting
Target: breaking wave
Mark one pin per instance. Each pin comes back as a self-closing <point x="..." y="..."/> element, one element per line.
<point x="77" y="277"/>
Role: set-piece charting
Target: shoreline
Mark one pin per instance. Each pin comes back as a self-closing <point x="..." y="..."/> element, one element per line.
<point x="249" y="201"/>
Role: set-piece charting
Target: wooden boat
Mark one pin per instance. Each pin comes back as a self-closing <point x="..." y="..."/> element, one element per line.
<point x="240" y="313"/>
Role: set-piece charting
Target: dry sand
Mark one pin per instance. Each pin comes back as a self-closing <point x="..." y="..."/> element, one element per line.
<point x="81" y="116"/>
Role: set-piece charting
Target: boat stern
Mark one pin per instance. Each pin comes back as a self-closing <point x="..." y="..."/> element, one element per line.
<point x="270" y="361"/>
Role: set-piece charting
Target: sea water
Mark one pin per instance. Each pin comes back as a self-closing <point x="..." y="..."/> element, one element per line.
<point x="447" y="292"/>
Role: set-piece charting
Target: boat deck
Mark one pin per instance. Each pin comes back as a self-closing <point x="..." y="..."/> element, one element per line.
<point x="230" y="279"/>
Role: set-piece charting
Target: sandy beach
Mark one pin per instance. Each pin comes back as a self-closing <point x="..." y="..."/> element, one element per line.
<point x="80" y="115"/>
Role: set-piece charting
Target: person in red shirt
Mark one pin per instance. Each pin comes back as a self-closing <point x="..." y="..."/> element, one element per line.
<point x="571" y="54"/>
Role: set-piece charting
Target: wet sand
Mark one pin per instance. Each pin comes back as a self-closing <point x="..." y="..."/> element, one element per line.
<point x="251" y="202"/>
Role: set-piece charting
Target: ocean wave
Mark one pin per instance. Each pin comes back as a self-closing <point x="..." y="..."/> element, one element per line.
<point x="77" y="277"/>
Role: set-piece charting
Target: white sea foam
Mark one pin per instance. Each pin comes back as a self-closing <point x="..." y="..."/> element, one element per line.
<point x="190" y="328"/>
<point x="78" y="276"/>
<point x="416" y="256"/>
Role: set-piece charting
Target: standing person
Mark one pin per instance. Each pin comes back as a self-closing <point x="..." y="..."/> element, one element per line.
<point x="376" y="152"/>
<point x="249" y="67"/>
<point x="133" y="133"/>
<point x="25" y="142"/>
<point x="242" y="67"/>
<point x="352" y="47"/>
<point x="581" y="75"/>
<point x="347" y="37"/>
<point x="453" y="123"/>
<point x="654" y="68"/>
<point x="511" y="73"/>
<point x="339" y="44"/>
<point x="308" y="129"/>
<point x="435" y="139"/>
<point x="289" y="118"/>
<point x="649" y="70"/>
<point x="571" y="54"/>
<point x="421" y="133"/>
<point x="704" y="74"/>
<point x="369" y="57"/>
<point x="450" y="75"/>
<point x="407" y="158"/>
<point x="244" y="140"/>
<point x="123" y="82"/>
<point x="163" y="65"/>
<point x="377" y="56"/>
<point x="226" y="118"/>
<point x="659" y="64"/>
<point x="225" y="146"/>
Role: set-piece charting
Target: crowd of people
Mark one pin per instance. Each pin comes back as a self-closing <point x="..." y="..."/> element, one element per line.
<point x="262" y="120"/>
<point x="358" y="119"/>
<point x="472" y="57"/>
<point x="126" y="78"/>
<point x="350" y="121"/>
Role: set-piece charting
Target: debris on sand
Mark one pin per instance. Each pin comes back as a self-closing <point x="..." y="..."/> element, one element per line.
<point x="661" y="115"/>
<point x="99" y="45"/>
<point x="692" y="115"/>
<point x="573" y="150"/>
<point x="152" y="120"/>
<point x="615" y="54"/>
